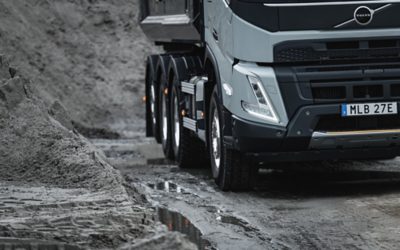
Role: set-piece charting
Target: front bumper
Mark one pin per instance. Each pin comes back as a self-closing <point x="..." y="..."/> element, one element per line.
<point x="300" y="141"/>
<point x="327" y="155"/>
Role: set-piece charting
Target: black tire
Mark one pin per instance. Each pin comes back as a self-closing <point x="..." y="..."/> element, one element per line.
<point x="152" y="117"/>
<point x="165" y="121"/>
<point x="234" y="172"/>
<point x="189" y="151"/>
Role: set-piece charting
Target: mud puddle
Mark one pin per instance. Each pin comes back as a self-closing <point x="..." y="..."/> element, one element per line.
<point x="179" y="223"/>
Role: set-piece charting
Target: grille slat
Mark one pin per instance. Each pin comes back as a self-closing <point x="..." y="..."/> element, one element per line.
<point x="352" y="82"/>
<point x="331" y="93"/>
<point x="337" y="51"/>
<point x="368" y="91"/>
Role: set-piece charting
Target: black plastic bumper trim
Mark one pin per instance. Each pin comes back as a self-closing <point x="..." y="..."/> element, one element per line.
<point x="325" y="155"/>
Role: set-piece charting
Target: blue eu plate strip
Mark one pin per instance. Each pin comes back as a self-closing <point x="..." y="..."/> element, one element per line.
<point x="344" y="109"/>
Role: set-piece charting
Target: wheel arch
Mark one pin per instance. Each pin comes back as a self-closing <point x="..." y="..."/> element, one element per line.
<point x="212" y="71"/>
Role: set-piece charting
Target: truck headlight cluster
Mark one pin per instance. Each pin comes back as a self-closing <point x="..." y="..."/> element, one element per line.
<point x="263" y="109"/>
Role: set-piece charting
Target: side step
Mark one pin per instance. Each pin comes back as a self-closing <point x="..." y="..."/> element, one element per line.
<point x="188" y="88"/>
<point x="194" y="120"/>
<point x="190" y="124"/>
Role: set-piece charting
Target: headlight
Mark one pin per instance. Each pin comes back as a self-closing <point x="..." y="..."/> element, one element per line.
<point x="263" y="109"/>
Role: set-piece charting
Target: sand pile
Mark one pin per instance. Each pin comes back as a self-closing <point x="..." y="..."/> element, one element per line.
<point x="61" y="189"/>
<point x="39" y="144"/>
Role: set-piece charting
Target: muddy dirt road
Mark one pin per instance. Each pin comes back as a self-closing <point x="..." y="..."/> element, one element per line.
<point x="317" y="206"/>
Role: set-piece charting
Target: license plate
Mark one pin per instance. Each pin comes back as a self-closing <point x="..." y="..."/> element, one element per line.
<point x="364" y="109"/>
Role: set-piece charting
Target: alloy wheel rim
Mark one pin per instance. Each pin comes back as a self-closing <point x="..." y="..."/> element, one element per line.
<point x="176" y="122"/>
<point x="164" y="118"/>
<point x="152" y="103"/>
<point x="216" y="142"/>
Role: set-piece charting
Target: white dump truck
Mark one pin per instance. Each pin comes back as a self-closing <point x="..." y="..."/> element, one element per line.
<point x="244" y="84"/>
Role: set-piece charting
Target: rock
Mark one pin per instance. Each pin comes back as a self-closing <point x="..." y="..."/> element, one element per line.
<point x="13" y="92"/>
<point x="59" y="113"/>
<point x="4" y="69"/>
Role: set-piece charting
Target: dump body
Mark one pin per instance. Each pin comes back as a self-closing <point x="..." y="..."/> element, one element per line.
<point x="171" y="20"/>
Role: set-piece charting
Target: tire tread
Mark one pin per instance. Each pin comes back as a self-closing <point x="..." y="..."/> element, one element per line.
<point x="192" y="152"/>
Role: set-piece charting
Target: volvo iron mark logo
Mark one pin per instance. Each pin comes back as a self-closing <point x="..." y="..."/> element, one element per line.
<point x="363" y="15"/>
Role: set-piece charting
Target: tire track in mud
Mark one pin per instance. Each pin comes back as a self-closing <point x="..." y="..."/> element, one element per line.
<point x="15" y="243"/>
<point x="95" y="220"/>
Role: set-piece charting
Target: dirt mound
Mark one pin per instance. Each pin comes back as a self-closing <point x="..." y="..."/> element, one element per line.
<point x="39" y="144"/>
<point x="59" y="186"/>
<point x="87" y="54"/>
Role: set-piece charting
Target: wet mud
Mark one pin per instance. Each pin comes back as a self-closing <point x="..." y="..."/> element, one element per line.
<point x="326" y="205"/>
<point x="179" y="223"/>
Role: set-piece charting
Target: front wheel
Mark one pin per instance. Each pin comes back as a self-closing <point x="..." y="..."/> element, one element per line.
<point x="230" y="169"/>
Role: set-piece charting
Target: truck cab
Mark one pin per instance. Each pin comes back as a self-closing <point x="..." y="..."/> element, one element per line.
<point x="244" y="84"/>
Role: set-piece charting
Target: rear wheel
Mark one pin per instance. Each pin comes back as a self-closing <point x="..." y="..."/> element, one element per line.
<point x="189" y="151"/>
<point x="176" y="124"/>
<point x="230" y="169"/>
<point x="152" y="123"/>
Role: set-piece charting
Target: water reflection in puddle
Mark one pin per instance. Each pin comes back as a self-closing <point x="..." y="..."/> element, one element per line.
<point x="179" y="223"/>
<point x="167" y="186"/>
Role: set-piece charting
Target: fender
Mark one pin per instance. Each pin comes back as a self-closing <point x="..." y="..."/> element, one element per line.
<point x="209" y="56"/>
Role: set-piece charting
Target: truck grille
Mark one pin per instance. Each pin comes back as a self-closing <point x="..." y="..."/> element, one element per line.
<point x="337" y="51"/>
<point x="350" y="82"/>
<point x="341" y="83"/>
<point x="329" y="93"/>
<point x="321" y="94"/>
